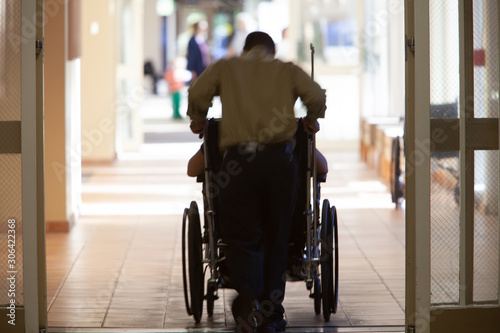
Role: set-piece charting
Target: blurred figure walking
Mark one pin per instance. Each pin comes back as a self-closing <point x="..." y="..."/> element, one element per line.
<point x="198" y="55"/>
<point x="176" y="78"/>
<point x="245" y="24"/>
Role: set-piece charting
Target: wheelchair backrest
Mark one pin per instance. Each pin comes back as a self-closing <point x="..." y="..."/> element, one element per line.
<point x="212" y="152"/>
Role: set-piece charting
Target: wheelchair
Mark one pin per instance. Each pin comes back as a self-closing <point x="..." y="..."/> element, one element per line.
<point x="313" y="241"/>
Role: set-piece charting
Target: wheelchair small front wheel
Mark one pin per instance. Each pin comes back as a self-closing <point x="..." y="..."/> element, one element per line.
<point x="211" y="297"/>
<point x="317" y="296"/>
<point x="196" y="280"/>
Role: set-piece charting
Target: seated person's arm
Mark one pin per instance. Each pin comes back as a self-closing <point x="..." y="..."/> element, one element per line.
<point x="196" y="164"/>
<point x="321" y="164"/>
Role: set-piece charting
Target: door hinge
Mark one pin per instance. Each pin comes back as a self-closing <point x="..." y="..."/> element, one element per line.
<point x="39" y="47"/>
<point x="411" y="329"/>
<point x="409" y="43"/>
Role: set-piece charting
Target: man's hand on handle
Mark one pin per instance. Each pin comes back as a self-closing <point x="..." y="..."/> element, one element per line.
<point x="198" y="127"/>
<point x="311" y="126"/>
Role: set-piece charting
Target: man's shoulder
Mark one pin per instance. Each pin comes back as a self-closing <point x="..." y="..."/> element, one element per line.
<point x="227" y="62"/>
<point x="235" y="62"/>
<point x="221" y="63"/>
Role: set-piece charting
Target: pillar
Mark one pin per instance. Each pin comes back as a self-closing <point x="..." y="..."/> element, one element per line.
<point x="62" y="112"/>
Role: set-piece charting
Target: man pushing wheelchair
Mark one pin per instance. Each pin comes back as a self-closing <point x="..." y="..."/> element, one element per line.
<point x="256" y="134"/>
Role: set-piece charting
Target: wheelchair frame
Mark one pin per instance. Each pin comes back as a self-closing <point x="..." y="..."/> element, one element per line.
<point x="205" y="252"/>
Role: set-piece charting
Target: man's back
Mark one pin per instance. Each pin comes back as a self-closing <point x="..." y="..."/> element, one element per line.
<point x="258" y="94"/>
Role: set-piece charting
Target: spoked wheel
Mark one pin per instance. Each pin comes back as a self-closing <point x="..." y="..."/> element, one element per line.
<point x="193" y="292"/>
<point x="335" y="297"/>
<point x="395" y="172"/>
<point x="317" y="296"/>
<point x="184" y="270"/>
<point x="326" y="260"/>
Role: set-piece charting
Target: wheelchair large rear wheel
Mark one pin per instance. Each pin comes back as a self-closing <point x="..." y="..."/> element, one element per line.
<point x="184" y="269"/>
<point x="326" y="260"/>
<point x="195" y="289"/>
<point x="395" y="172"/>
<point x="334" y="220"/>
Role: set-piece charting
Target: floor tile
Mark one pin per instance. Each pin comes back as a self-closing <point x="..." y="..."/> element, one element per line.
<point x="120" y="266"/>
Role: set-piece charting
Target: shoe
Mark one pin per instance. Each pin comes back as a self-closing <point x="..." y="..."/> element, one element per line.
<point x="295" y="268"/>
<point x="296" y="273"/>
<point x="267" y="329"/>
<point x="246" y="313"/>
<point x="295" y="276"/>
<point x="280" y="325"/>
<point x="274" y="327"/>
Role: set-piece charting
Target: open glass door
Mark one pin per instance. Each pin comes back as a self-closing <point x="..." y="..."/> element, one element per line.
<point x="22" y="228"/>
<point x="452" y="161"/>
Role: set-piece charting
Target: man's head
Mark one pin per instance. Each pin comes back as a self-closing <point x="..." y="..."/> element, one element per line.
<point x="259" y="38"/>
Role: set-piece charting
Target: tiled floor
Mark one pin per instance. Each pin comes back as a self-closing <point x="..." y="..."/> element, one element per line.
<point x="120" y="267"/>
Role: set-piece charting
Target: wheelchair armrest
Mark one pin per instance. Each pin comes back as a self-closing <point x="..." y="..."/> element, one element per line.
<point x="321" y="177"/>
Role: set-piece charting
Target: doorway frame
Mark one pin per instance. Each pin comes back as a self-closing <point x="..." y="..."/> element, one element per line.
<point x="32" y="142"/>
<point x="421" y="316"/>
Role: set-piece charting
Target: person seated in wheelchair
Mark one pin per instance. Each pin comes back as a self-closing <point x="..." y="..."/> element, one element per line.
<point x="196" y="168"/>
<point x="256" y="134"/>
<point x="295" y="271"/>
<point x="196" y="164"/>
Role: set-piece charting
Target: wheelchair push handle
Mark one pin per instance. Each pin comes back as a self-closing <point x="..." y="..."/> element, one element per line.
<point x="313" y="51"/>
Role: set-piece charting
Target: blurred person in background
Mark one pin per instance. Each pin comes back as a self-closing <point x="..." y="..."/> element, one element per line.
<point x="245" y="24"/>
<point x="198" y="55"/>
<point x="283" y="48"/>
<point x="176" y="77"/>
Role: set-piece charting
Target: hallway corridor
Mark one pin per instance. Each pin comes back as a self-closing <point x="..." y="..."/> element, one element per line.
<point x="120" y="266"/>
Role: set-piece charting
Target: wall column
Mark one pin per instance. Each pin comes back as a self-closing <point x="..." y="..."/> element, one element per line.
<point x="99" y="60"/>
<point x="62" y="171"/>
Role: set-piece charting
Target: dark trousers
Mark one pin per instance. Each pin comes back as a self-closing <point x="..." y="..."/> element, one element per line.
<point x="256" y="208"/>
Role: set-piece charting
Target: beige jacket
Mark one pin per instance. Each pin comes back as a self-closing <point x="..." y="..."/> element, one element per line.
<point x="258" y="94"/>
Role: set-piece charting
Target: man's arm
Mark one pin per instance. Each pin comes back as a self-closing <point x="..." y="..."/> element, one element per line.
<point x="311" y="94"/>
<point x="200" y="95"/>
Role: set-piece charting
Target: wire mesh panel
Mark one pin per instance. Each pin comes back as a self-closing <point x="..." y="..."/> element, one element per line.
<point x="445" y="228"/>
<point x="11" y="245"/>
<point x="445" y="85"/>
<point x="486" y="233"/>
<point x="485" y="40"/>
<point x="444" y="61"/>
<point x="486" y="188"/>
<point x="10" y="60"/>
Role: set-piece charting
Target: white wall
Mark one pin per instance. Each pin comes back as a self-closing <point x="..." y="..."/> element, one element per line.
<point x="396" y="60"/>
<point x="73" y="138"/>
<point x="56" y="167"/>
<point x="62" y="124"/>
<point x="152" y="34"/>
<point x="98" y="80"/>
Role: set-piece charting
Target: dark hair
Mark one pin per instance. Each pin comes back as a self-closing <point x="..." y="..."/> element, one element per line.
<point x="259" y="38"/>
